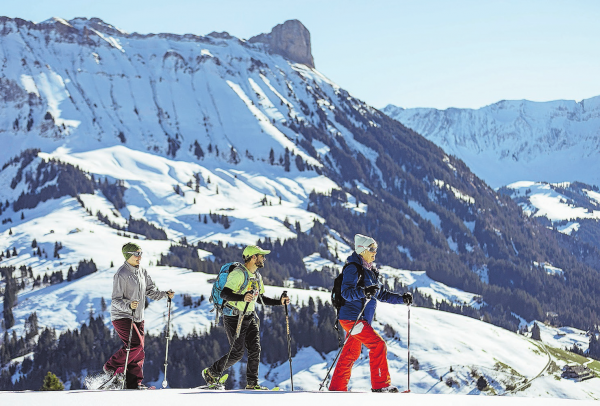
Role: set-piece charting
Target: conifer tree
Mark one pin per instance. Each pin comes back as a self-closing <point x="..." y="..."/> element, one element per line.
<point x="272" y="157"/>
<point x="535" y="332"/>
<point x="286" y="160"/>
<point x="51" y="382"/>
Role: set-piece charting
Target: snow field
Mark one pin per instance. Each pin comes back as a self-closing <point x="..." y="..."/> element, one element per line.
<point x="192" y="397"/>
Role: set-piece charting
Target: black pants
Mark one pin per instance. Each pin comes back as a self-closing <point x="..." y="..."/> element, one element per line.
<point x="250" y="339"/>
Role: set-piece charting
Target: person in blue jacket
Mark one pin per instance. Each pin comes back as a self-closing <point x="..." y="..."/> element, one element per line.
<point x="361" y="282"/>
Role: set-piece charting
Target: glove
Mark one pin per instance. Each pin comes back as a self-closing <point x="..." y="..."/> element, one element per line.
<point x="407" y="298"/>
<point x="371" y="291"/>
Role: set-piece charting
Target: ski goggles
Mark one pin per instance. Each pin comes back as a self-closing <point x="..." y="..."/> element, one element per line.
<point x="372" y="248"/>
<point x="135" y="253"/>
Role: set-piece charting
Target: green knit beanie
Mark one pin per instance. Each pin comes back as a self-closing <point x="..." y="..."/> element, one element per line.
<point x="130" y="247"/>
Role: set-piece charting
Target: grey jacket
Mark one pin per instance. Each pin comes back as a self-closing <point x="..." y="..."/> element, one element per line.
<point x="130" y="284"/>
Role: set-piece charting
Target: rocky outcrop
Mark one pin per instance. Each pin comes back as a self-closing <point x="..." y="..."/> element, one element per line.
<point x="290" y="40"/>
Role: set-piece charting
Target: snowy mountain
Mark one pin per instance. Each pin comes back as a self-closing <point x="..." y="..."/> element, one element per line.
<point x="510" y="141"/>
<point x="569" y="208"/>
<point x="84" y="85"/>
<point x="195" y="145"/>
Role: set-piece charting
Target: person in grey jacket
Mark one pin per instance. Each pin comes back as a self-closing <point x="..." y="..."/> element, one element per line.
<point x="131" y="285"/>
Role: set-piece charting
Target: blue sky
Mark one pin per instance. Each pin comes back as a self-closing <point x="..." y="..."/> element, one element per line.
<point x="427" y="53"/>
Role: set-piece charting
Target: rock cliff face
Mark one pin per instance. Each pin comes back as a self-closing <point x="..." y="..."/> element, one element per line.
<point x="291" y="40"/>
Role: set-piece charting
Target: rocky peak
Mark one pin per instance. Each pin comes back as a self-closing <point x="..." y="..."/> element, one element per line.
<point x="290" y="40"/>
<point x="96" y="24"/>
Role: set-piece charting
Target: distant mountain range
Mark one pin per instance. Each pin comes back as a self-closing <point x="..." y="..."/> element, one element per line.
<point x="516" y="140"/>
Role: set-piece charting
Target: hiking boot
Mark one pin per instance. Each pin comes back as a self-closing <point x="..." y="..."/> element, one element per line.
<point x="141" y="386"/>
<point x="256" y="387"/>
<point x="209" y="378"/>
<point x="388" y="389"/>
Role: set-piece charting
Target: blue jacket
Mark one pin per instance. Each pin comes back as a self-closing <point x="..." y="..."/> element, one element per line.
<point x="354" y="295"/>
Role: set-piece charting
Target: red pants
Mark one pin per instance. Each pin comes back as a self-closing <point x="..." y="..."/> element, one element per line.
<point x="380" y="375"/>
<point x="135" y="372"/>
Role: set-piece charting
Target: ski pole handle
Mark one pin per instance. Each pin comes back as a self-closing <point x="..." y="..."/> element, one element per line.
<point x="284" y="294"/>
<point x="287" y="320"/>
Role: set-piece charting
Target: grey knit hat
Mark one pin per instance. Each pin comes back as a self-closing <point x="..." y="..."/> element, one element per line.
<point x="362" y="242"/>
<point x="130" y="247"/>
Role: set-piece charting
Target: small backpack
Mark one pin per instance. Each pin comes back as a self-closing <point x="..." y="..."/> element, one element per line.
<point x="215" y="295"/>
<point x="336" y="293"/>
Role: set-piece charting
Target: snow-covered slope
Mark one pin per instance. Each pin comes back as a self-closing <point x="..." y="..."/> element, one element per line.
<point x="439" y="341"/>
<point x="185" y="397"/>
<point x="555" y="202"/>
<point x="83" y="84"/>
<point x="510" y="141"/>
<point x="569" y="208"/>
<point x="448" y="346"/>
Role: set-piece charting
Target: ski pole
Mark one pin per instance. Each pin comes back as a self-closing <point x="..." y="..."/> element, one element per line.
<point x="408" y="390"/>
<point x="237" y="334"/>
<point x="164" y="382"/>
<point x="289" y="339"/>
<point x="345" y="340"/>
<point x="128" y="349"/>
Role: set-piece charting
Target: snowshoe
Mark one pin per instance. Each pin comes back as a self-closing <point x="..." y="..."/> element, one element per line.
<point x="103" y="381"/>
<point x="257" y="387"/>
<point x="213" y="383"/>
<point x="387" y="389"/>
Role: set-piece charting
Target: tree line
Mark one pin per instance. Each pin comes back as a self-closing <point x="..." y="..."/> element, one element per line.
<point x="87" y="348"/>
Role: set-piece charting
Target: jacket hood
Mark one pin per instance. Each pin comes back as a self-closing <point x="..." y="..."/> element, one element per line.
<point x="354" y="258"/>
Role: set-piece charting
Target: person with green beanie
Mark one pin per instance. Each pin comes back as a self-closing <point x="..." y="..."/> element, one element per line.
<point x="131" y="285"/>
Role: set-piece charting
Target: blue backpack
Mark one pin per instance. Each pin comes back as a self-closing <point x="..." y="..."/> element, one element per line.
<point x="215" y="295"/>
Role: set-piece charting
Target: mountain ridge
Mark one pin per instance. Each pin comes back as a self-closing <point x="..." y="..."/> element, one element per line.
<point x="555" y="141"/>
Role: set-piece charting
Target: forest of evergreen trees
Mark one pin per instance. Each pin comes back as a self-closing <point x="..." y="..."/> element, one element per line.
<point x="87" y="348"/>
<point x="141" y="226"/>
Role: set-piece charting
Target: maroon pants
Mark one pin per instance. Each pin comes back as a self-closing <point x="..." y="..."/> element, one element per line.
<point x="135" y="372"/>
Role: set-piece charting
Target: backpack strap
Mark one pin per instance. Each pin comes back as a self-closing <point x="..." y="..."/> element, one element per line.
<point x="259" y="279"/>
<point x="361" y="272"/>
<point x="246" y="278"/>
<point x="244" y="285"/>
<point x="361" y="279"/>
